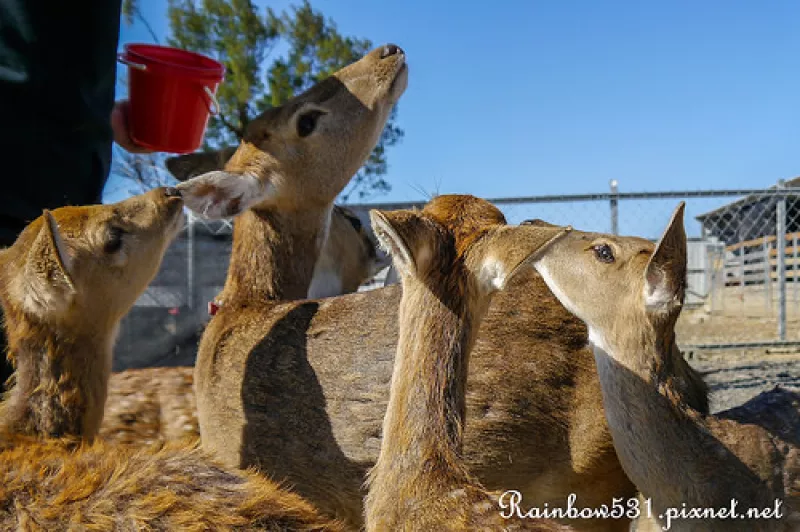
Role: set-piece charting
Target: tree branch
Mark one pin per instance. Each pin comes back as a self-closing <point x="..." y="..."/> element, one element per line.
<point x="147" y="25"/>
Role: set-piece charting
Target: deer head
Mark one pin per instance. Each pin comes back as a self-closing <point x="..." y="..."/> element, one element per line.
<point x="88" y="265"/>
<point x="614" y="284"/>
<point x="303" y="153"/>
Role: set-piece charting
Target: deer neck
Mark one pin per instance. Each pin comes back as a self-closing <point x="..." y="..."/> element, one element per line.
<point x="422" y="430"/>
<point x="664" y="445"/>
<point x="60" y="381"/>
<point x="274" y="253"/>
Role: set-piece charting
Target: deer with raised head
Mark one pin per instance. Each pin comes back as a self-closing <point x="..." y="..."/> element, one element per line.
<point x="299" y="389"/>
<point x="336" y="256"/>
<point x="64" y="286"/>
<point x="283" y="179"/>
<point x="630" y="292"/>
<point x="452" y="257"/>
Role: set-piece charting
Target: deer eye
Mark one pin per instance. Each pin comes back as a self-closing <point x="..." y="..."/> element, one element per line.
<point x="604" y="253"/>
<point x="114" y="240"/>
<point x="307" y="122"/>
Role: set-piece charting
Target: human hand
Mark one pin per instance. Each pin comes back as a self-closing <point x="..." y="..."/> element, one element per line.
<point x="119" y="123"/>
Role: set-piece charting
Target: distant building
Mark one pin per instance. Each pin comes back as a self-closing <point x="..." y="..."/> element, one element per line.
<point x="752" y="217"/>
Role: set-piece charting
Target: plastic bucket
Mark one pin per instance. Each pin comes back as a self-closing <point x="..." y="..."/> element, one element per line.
<point x="171" y="94"/>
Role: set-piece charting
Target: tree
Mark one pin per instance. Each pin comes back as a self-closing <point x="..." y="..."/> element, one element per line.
<point x="236" y="34"/>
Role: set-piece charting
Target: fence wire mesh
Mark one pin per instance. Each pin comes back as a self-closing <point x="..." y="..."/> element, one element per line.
<point x="743" y="275"/>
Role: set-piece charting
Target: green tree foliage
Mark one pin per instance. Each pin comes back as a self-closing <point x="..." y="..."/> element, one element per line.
<point x="257" y="77"/>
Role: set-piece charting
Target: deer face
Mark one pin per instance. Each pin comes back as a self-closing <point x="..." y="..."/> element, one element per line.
<point x="304" y="152"/>
<point x="90" y="264"/>
<point x="613" y="282"/>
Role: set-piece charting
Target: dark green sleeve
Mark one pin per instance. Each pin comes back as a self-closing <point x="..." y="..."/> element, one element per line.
<point x="57" y="78"/>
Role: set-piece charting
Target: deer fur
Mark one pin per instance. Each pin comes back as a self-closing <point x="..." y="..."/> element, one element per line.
<point x="64" y="286"/>
<point x="630" y="294"/>
<point x="299" y="389"/>
<point x="151" y="406"/>
<point x="453" y="255"/>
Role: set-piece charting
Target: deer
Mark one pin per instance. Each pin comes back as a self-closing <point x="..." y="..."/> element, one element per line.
<point x="630" y="292"/>
<point x="451" y="257"/>
<point x="154" y="405"/>
<point x="299" y="389"/>
<point x="65" y="284"/>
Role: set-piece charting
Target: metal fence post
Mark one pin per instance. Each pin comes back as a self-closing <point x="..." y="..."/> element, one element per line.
<point x="767" y="268"/>
<point x="614" y="207"/>
<point x="717" y="280"/>
<point x="741" y="275"/>
<point x="780" y="248"/>
<point x="795" y="267"/>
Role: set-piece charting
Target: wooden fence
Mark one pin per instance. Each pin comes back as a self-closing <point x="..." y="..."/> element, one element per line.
<point x="756" y="261"/>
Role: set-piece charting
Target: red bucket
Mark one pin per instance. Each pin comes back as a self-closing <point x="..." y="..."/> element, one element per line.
<point x="171" y="93"/>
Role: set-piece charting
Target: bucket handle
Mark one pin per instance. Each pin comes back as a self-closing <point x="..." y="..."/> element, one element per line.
<point x="122" y="59"/>
<point x="212" y="103"/>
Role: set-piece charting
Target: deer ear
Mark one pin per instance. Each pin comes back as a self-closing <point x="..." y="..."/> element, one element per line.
<point x="48" y="270"/>
<point x="406" y="236"/>
<point x="185" y="167"/>
<point x="221" y="194"/>
<point x="509" y="248"/>
<point x="665" y="276"/>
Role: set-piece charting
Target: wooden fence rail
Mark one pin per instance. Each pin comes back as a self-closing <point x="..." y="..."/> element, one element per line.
<point x="754" y="261"/>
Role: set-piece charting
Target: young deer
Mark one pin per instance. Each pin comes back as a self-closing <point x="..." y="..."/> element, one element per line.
<point x="452" y="256"/>
<point x="299" y="242"/>
<point x="630" y="293"/>
<point x="284" y="177"/>
<point x="64" y="286"/>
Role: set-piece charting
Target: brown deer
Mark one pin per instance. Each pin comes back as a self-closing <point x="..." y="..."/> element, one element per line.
<point x="630" y="294"/>
<point x="452" y="256"/>
<point x="64" y="286"/>
<point x="299" y="390"/>
<point x="154" y="405"/>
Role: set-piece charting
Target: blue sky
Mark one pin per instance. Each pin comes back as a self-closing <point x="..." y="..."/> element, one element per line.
<point x="559" y="97"/>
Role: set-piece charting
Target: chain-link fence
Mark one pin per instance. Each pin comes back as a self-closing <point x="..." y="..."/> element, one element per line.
<point x="743" y="276"/>
<point x="165" y="325"/>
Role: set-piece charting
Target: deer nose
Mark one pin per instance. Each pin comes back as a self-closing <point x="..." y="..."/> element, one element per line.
<point x="172" y="192"/>
<point x="391" y="49"/>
